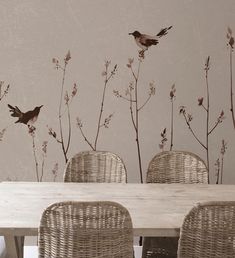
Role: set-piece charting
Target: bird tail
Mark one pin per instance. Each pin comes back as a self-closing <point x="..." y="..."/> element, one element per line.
<point x="15" y="111"/>
<point x="163" y="32"/>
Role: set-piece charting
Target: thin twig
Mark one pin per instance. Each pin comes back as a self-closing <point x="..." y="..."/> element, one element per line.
<point x="222" y="169"/>
<point x="42" y="168"/>
<point x="107" y="78"/>
<point x="65" y="144"/>
<point x="35" y="158"/>
<point x="192" y="131"/>
<point x="146" y="101"/>
<point x="69" y="122"/>
<point x="66" y="110"/>
<point x="172" y="114"/>
<point x="207" y="117"/>
<point x="204" y="108"/>
<point x="101" y="109"/>
<point x="222" y="151"/>
<point x="60" y="106"/>
<point x="85" y="138"/>
<point x="137" y="121"/>
<point x="131" y="112"/>
<point x="231" y="87"/>
<point x="127" y="99"/>
<point x="107" y="120"/>
<point x="213" y="128"/>
<point x="5" y="92"/>
<point x="55" y="171"/>
<point x="207" y="109"/>
<point x="172" y="99"/>
<point x="135" y="76"/>
<point x="217" y="164"/>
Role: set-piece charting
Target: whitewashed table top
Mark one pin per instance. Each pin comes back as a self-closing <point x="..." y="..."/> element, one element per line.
<point x="156" y="209"/>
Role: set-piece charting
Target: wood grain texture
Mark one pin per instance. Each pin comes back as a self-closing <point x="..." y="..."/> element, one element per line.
<point x="156" y="209"/>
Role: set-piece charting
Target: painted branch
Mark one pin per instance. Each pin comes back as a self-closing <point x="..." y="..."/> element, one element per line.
<point x="193" y="133"/>
<point x="231" y="87"/>
<point x="85" y="138"/>
<point x="69" y="123"/>
<point x="42" y="169"/>
<point x="102" y="102"/>
<point x="146" y="101"/>
<point x="213" y="128"/>
<point x="132" y="113"/>
<point x="222" y="169"/>
<point x="172" y="114"/>
<point x="137" y="122"/>
<point x="35" y="159"/>
<point x="207" y="123"/>
<point x="60" y="120"/>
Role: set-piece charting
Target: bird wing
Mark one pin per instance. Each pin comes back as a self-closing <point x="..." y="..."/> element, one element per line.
<point x="163" y="32"/>
<point x="148" y="40"/>
<point x="10" y="106"/>
<point x="15" y="111"/>
<point x="29" y="116"/>
<point x="18" y="110"/>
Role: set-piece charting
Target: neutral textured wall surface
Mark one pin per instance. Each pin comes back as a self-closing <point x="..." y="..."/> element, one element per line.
<point x="34" y="32"/>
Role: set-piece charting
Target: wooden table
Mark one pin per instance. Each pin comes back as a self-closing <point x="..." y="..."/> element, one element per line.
<point x="156" y="209"/>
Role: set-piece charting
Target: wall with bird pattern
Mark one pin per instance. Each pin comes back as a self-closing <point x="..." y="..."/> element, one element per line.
<point x="132" y="77"/>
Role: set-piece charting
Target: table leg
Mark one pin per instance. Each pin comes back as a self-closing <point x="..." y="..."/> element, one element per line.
<point x="14" y="246"/>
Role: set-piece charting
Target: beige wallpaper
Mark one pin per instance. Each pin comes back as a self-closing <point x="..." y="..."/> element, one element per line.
<point x="35" y="32"/>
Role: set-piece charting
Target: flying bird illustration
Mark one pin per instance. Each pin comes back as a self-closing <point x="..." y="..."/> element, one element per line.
<point x="28" y="117"/>
<point x="145" y="41"/>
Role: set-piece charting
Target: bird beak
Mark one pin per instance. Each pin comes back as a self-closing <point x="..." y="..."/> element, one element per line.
<point x="41" y="106"/>
<point x="131" y="33"/>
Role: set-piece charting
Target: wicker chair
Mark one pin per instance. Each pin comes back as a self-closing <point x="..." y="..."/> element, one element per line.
<point x="95" y="166"/>
<point x="177" y="167"/>
<point x="172" y="167"/>
<point x="86" y="230"/>
<point x="208" y="231"/>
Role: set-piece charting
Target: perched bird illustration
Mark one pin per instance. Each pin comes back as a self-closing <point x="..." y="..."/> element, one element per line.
<point x="145" y="41"/>
<point x="28" y="117"/>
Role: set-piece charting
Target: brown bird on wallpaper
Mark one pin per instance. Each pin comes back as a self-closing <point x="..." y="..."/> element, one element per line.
<point x="28" y="117"/>
<point x="145" y="41"/>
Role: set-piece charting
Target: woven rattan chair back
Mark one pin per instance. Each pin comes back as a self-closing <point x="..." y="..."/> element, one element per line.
<point x="86" y="230"/>
<point x="96" y="167"/>
<point x="208" y="231"/>
<point x="172" y="167"/>
<point x="177" y="167"/>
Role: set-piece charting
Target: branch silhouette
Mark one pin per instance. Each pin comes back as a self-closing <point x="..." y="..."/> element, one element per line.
<point x="107" y="75"/>
<point x="132" y="96"/>
<point x="219" y="164"/>
<point x="65" y="143"/>
<point x="230" y="44"/>
<point x="3" y="92"/>
<point x="172" y="99"/>
<point x="188" y="117"/>
<point x="39" y="177"/>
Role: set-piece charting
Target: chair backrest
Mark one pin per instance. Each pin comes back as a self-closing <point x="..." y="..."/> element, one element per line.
<point x="95" y="166"/>
<point x="86" y="230"/>
<point x="208" y="230"/>
<point x="177" y="167"/>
